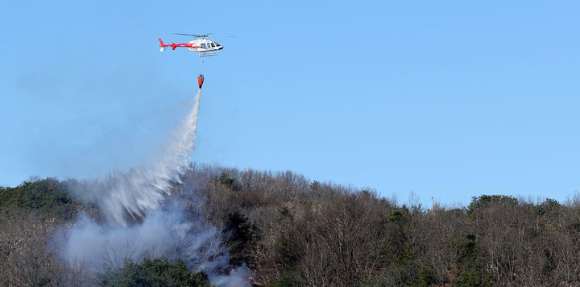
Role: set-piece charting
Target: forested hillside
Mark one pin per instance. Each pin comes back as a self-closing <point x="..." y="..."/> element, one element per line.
<point x="291" y="231"/>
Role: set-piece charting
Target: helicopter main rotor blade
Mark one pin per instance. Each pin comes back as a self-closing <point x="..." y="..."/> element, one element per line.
<point x="222" y="36"/>
<point x="195" y="35"/>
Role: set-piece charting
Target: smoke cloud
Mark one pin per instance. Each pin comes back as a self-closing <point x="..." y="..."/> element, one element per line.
<point x="164" y="232"/>
<point x="139" y="223"/>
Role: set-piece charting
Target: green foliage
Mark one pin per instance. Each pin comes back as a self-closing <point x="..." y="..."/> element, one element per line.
<point x="549" y="207"/>
<point x="153" y="272"/>
<point x="549" y="215"/>
<point x="400" y="216"/>
<point x="228" y="181"/>
<point x="49" y="196"/>
<point x="242" y="239"/>
<point x="405" y="256"/>
<point x="468" y="248"/>
<point x="486" y="201"/>
<point x="470" y="278"/>
<point x="288" y="279"/>
<point x="426" y="277"/>
<point x="315" y="185"/>
<point x="472" y="265"/>
<point x="283" y="214"/>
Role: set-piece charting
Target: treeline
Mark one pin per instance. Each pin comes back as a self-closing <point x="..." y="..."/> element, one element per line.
<point x="298" y="232"/>
<point x="30" y="214"/>
<point x="291" y="231"/>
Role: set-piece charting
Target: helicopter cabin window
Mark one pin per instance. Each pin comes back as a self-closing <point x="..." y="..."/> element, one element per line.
<point x="213" y="45"/>
<point x="203" y="46"/>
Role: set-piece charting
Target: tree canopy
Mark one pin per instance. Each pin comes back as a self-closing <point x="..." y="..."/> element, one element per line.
<point x="291" y="231"/>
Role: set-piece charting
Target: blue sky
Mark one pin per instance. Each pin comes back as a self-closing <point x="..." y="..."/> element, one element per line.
<point x="448" y="100"/>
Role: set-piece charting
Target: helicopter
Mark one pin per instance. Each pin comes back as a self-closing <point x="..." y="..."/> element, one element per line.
<point x="201" y="45"/>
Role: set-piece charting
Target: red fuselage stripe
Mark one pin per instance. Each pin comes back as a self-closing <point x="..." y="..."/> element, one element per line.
<point x="172" y="45"/>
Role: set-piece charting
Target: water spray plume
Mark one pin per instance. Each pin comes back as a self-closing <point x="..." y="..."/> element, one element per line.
<point x="138" y="226"/>
<point x="127" y="195"/>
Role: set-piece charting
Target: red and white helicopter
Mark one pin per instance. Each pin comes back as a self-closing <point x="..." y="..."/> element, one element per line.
<point x="202" y="45"/>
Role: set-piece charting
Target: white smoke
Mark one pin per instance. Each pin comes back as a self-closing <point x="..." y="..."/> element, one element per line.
<point x="165" y="232"/>
<point x="137" y="225"/>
